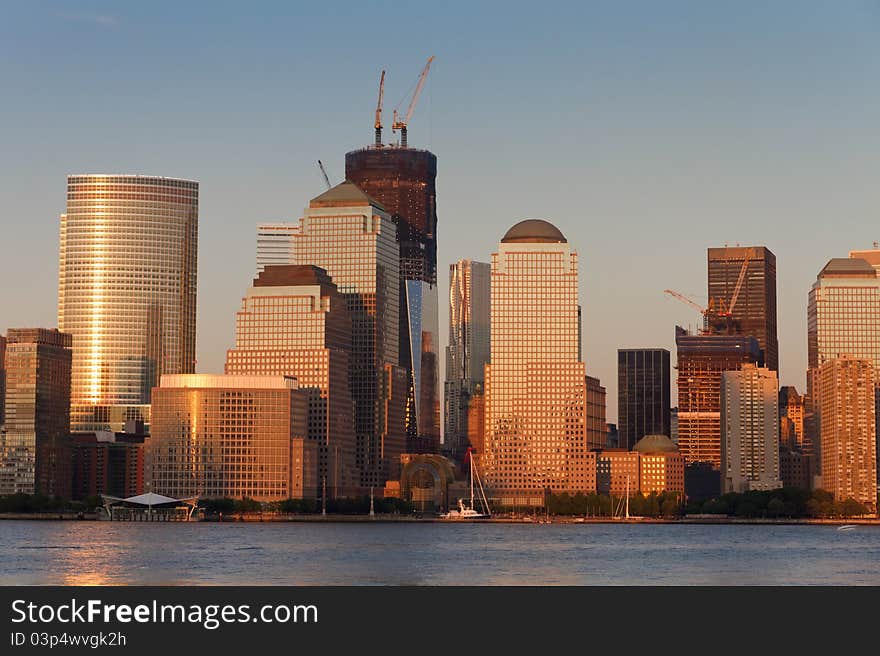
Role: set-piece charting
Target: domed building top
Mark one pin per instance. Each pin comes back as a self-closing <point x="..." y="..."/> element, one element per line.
<point x="655" y="444"/>
<point x="534" y="231"/>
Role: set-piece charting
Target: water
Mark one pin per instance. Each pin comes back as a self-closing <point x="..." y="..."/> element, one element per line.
<point x="202" y="553"/>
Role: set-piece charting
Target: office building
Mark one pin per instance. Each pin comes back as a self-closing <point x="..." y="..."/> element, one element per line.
<point x="661" y="465"/>
<point x="795" y="468"/>
<point x="351" y="237"/>
<point x="468" y="351"/>
<point x="617" y="472"/>
<point x="843" y="318"/>
<point x="750" y="429"/>
<point x="38" y="365"/>
<point x="536" y="419"/>
<point x="791" y="418"/>
<point x="848" y="429"/>
<point x="701" y="361"/>
<point x="275" y="244"/>
<point x="742" y="288"/>
<point x="403" y="181"/>
<point x="107" y="463"/>
<point x="2" y="381"/>
<point x="232" y="436"/>
<point x="643" y="394"/>
<point x="294" y="322"/>
<point x="127" y="291"/>
<point x="597" y="427"/>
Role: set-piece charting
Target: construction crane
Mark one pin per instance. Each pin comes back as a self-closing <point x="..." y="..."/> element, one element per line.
<point x="324" y="173"/>
<point x="736" y="290"/>
<point x="684" y="299"/>
<point x="379" y="111"/>
<point x="713" y="322"/>
<point x="401" y="124"/>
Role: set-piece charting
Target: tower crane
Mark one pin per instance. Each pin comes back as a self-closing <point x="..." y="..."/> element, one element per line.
<point x="379" y="111"/>
<point x="324" y="173"/>
<point x="401" y="124"/>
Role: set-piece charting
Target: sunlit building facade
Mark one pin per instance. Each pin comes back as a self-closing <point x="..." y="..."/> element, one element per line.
<point x="848" y="429"/>
<point x="351" y="237"/>
<point x="232" y="436"/>
<point x="293" y="322"/>
<point x="275" y="244"/>
<point x="535" y="386"/>
<point x="127" y="291"/>
<point x="701" y="361"/>
<point x="38" y="366"/>
<point x="750" y="429"/>
<point x="468" y="351"/>
<point x="661" y="465"/>
<point x="2" y="381"/>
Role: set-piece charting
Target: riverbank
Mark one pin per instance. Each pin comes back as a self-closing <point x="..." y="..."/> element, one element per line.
<point x="272" y="518"/>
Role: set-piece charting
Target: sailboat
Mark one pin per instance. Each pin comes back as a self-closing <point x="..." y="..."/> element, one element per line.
<point x="465" y="511"/>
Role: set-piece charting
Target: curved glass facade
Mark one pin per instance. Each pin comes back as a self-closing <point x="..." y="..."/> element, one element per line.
<point x="127" y="291"/>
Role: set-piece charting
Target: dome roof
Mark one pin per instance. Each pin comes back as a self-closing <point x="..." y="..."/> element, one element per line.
<point x="534" y="231"/>
<point x="655" y="443"/>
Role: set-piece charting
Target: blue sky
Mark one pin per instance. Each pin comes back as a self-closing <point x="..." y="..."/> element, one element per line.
<point x="645" y="131"/>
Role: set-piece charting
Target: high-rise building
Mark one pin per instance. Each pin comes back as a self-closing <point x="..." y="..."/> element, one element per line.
<point x="294" y="322"/>
<point x="750" y="429"/>
<point x="468" y="350"/>
<point x="127" y="291"/>
<point x="643" y="394"/>
<point x="597" y="427"/>
<point x="2" y="381"/>
<point x="351" y="237"/>
<point x="403" y="180"/>
<point x="661" y="465"/>
<point x="275" y="244"/>
<point x="536" y="419"/>
<point x="791" y="419"/>
<point x="107" y="463"/>
<point x="38" y="364"/>
<point x="871" y="256"/>
<point x="848" y="429"/>
<point x="232" y="436"/>
<point x="754" y="310"/>
<point x="701" y="361"/>
<point x="843" y="318"/>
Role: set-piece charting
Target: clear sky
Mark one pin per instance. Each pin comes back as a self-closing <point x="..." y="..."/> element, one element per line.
<point x="646" y="131"/>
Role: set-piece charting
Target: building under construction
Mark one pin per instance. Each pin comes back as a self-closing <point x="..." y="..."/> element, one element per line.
<point x="403" y="180"/>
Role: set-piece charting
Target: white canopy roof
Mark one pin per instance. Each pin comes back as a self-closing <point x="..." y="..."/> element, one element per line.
<point x="150" y="499"/>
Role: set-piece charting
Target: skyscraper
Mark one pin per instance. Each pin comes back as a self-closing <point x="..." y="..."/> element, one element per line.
<point x="2" y="381"/>
<point x="293" y="322"/>
<point x="848" y="429"/>
<point x="127" y="291"/>
<point x="403" y="180"/>
<point x="750" y="429"/>
<point x="468" y="350"/>
<point x="536" y="432"/>
<point x="351" y="237"/>
<point x="754" y="310"/>
<point x="791" y="418"/>
<point x="701" y="361"/>
<point x="843" y="318"/>
<point x="275" y="244"/>
<point x="597" y="427"/>
<point x="38" y="364"/>
<point x="643" y="394"/>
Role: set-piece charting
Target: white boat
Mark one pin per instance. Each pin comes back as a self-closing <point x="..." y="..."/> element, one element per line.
<point x="465" y="511"/>
<point x="847" y="527"/>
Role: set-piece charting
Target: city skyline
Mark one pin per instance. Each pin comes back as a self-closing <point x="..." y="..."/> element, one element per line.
<point x="697" y="209"/>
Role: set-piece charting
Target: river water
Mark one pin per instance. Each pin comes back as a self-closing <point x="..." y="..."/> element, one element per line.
<point x="411" y="553"/>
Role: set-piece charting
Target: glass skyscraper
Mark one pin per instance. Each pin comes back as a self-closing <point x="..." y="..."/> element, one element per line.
<point x="468" y="350"/>
<point x="127" y="291"/>
<point x="536" y="423"/>
<point x="643" y="394"/>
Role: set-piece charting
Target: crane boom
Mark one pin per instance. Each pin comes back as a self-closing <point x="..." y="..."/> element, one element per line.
<point x="378" y="124"/>
<point x="401" y="124"/>
<point x="739" y="282"/>
<point x="684" y="299"/>
<point x="324" y="173"/>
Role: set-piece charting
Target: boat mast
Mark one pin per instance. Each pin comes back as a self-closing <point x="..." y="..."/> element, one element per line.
<point x="627" y="496"/>
<point x="471" y="460"/>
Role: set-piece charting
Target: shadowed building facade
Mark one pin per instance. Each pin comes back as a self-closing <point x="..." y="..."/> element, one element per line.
<point x="127" y="291"/>
<point x="403" y="180"/>
<point x="643" y="394"/>
<point x="293" y="322"/>
<point x="352" y="237"/>
<point x="468" y="350"/>
<point x="701" y="361"/>
<point x="38" y="366"/>
<point x="535" y="386"/>
<point x="754" y="312"/>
